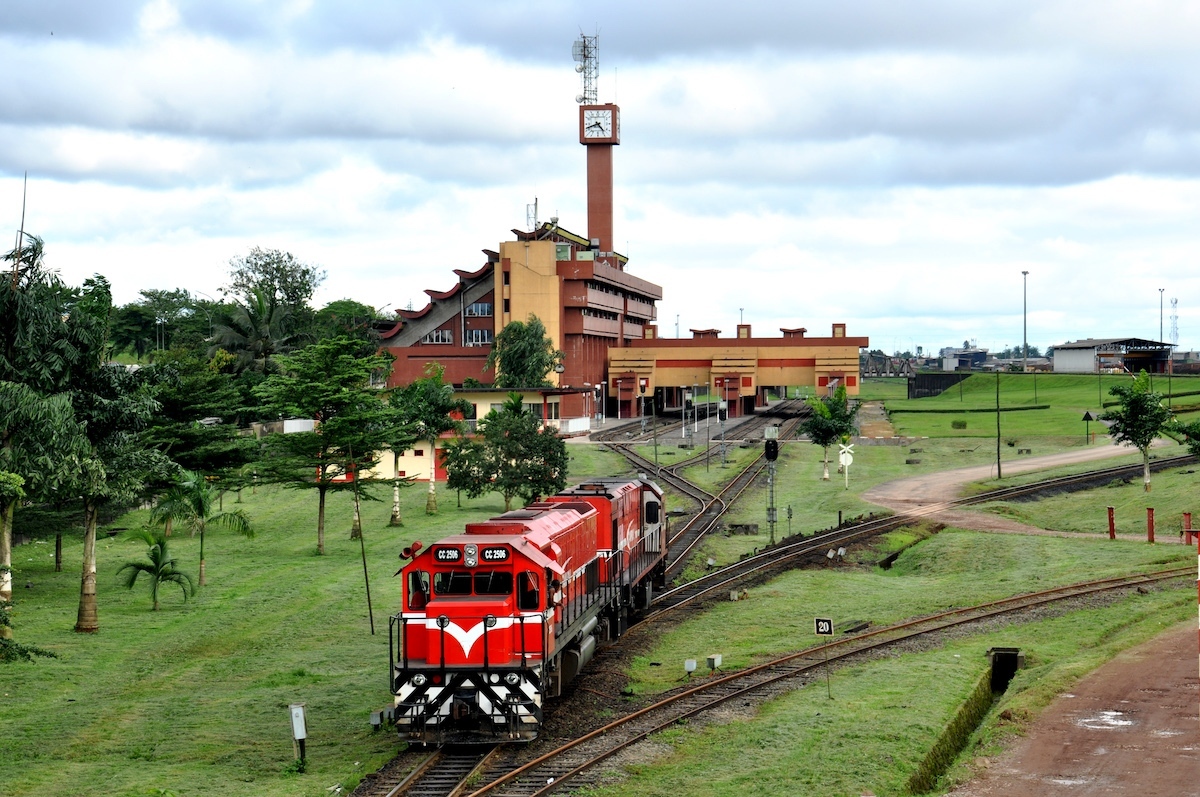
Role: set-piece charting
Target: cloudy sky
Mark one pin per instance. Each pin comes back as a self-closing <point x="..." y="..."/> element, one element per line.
<point x="895" y="166"/>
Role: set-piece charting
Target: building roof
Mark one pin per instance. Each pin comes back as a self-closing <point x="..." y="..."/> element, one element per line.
<point x="1113" y="344"/>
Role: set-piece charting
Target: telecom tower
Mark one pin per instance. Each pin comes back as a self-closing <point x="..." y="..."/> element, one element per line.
<point x="1174" y="323"/>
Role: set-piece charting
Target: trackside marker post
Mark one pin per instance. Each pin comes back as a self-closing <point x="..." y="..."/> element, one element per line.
<point x="1150" y="524"/>
<point x="823" y="626"/>
<point x="299" y="729"/>
<point x="1112" y="524"/>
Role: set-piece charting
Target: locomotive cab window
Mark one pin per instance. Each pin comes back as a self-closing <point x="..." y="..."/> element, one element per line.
<point x="652" y="512"/>
<point x="493" y="582"/>
<point x="418" y="590"/>
<point x="528" y="597"/>
<point x="454" y="582"/>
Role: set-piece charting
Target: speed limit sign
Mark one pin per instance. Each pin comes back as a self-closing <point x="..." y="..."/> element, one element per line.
<point x="824" y="626"/>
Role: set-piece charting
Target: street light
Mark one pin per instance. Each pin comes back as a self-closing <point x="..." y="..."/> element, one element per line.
<point x="1025" y="320"/>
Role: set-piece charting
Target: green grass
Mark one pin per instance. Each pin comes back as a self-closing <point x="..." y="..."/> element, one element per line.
<point x="1069" y="396"/>
<point x="885" y="714"/>
<point x="193" y="698"/>
<point x="1174" y="492"/>
<point x="880" y="389"/>
<point x="952" y="568"/>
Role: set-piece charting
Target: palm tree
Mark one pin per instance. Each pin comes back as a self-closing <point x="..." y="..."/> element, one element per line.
<point x="161" y="567"/>
<point x="191" y="502"/>
<point x="258" y="329"/>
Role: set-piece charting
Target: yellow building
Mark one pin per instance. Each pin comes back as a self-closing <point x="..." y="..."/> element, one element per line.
<point x="739" y="370"/>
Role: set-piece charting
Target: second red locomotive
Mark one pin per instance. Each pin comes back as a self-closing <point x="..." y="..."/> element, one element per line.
<point x="499" y="618"/>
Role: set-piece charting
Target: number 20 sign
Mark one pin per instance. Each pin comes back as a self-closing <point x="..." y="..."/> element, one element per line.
<point x="823" y="626"/>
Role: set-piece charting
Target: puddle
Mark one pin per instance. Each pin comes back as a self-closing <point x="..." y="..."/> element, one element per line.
<point x="1168" y="733"/>
<point x="1105" y="720"/>
<point x="1070" y="781"/>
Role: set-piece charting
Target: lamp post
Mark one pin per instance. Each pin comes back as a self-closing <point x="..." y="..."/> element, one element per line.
<point x="1025" y="321"/>
<point x="207" y="312"/>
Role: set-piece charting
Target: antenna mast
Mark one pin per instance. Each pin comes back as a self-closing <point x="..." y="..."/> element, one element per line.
<point x="587" y="52"/>
<point x="1175" y="322"/>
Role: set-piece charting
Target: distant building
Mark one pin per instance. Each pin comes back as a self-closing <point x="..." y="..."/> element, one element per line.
<point x="1106" y="355"/>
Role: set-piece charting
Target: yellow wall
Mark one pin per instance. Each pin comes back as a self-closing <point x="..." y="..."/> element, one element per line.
<point x="535" y="288"/>
<point x="655" y="363"/>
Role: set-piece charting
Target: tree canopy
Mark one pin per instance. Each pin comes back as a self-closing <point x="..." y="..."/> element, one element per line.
<point x="330" y="384"/>
<point x="1138" y="418"/>
<point x="513" y="454"/>
<point x="832" y="419"/>
<point x="523" y="354"/>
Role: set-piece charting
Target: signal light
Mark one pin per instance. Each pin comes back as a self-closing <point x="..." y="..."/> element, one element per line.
<point x="772" y="450"/>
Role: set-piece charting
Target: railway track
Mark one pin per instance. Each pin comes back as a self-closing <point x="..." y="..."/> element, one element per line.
<point x="564" y="765"/>
<point x="792" y="551"/>
<point x="443" y="774"/>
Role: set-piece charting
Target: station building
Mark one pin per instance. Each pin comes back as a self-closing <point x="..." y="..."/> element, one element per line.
<point x="739" y="371"/>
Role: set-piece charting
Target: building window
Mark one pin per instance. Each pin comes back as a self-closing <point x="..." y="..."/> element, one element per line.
<point x="418" y="452"/>
<point x="478" y="337"/>
<point x="479" y="310"/>
<point x="439" y="336"/>
<point x="507" y="277"/>
<point x="506" y="308"/>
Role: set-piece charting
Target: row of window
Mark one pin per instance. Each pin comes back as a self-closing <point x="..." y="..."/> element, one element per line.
<point x="474" y="337"/>
<point x="479" y="310"/>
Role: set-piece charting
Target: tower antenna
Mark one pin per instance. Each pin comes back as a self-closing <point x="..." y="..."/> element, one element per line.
<point x="20" y="232"/>
<point x="586" y="52"/>
<point x="1174" y="322"/>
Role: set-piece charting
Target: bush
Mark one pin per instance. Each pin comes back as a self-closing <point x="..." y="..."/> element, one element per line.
<point x="958" y="424"/>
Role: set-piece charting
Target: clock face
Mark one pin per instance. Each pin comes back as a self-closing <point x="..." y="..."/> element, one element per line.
<point x="598" y="123"/>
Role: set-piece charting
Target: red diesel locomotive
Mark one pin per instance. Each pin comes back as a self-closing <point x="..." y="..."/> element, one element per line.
<point x="499" y="618"/>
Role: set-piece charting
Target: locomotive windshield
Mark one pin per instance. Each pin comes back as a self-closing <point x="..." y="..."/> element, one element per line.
<point x="479" y="582"/>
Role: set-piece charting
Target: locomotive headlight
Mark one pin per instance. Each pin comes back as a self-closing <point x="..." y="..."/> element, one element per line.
<point x="443" y="621"/>
<point x="418" y="680"/>
<point x="472" y="554"/>
<point x="490" y="621"/>
<point x="512" y="679"/>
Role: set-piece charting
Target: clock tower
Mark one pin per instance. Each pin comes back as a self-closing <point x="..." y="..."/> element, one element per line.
<point x="600" y="131"/>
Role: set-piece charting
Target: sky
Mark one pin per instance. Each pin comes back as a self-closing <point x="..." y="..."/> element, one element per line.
<point x="893" y="166"/>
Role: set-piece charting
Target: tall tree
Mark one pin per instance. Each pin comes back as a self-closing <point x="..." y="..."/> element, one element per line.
<point x="192" y="502"/>
<point x="429" y="406"/>
<point x="330" y="384"/>
<point x="256" y="332"/>
<point x="523" y="354"/>
<point x="1138" y="418"/>
<point x="283" y="280"/>
<point x="831" y="420"/>
<point x="279" y="276"/>
<point x="43" y="342"/>
<point x="514" y="455"/>
<point x="115" y="406"/>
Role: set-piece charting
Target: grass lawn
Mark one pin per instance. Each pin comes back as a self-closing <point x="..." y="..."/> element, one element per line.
<point x="1069" y="396"/>
<point x="1174" y="492"/>
<point x="884" y="714"/>
<point x="193" y="699"/>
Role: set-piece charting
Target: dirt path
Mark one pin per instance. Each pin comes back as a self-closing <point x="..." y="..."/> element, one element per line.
<point x="926" y="492"/>
<point x="1131" y="727"/>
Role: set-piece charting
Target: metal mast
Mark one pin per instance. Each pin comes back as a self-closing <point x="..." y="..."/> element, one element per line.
<point x="587" y="52"/>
